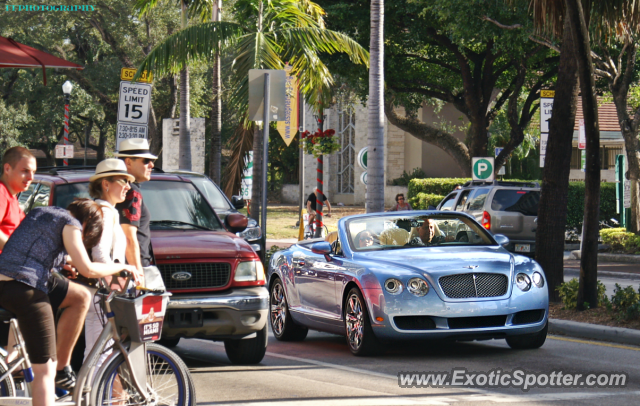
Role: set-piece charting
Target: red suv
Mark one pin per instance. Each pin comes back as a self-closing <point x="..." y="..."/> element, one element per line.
<point x="216" y="278"/>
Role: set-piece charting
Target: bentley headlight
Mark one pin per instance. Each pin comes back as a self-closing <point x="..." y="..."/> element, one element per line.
<point x="417" y="287"/>
<point x="249" y="271"/>
<point x="252" y="232"/>
<point x="393" y="286"/>
<point x="523" y="282"/>
<point x="538" y="280"/>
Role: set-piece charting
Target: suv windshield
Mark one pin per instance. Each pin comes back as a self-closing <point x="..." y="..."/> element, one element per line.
<point x="520" y="201"/>
<point x="168" y="201"/>
<point x="212" y="193"/>
<point x="375" y="233"/>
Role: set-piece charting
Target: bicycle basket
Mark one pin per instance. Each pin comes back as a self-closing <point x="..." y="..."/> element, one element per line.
<point x="142" y="317"/>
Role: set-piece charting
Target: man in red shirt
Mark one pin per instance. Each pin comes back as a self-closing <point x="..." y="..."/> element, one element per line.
<point x="18" y="169"/>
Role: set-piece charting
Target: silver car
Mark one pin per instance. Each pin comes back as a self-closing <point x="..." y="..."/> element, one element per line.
<point x="502" y="207"/>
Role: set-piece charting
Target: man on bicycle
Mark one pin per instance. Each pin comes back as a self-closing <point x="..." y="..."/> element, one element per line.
<point x="18" y="169"/>
<point x="312" y="207"/>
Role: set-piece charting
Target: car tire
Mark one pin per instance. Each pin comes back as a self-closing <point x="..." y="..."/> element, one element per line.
<point x="282" y="325"/>
<point x="168" y="342"/>
<point x="529" y="341"/>
<point x="248" y="351"/>
<point x="357" y="325"/>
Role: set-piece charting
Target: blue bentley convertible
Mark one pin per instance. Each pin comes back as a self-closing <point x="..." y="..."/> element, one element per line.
<point x="408" y="275"/>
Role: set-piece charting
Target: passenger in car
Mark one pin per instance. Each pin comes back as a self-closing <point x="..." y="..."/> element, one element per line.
<point x="364" y="239"/>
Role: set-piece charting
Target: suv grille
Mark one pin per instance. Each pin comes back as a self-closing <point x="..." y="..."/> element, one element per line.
<point x="207" y="275"/>
<point x="468" y="285"/>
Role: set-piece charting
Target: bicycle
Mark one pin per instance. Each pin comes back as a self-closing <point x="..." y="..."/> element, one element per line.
<point x="310" y="229"/>
<point x="138" y="372"/>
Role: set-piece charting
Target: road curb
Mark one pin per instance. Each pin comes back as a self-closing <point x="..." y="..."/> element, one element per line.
<point x="594" y="332"/>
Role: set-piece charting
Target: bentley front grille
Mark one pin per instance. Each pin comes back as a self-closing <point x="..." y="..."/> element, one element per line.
<point x="468" y="285"/>
<point x="203" y="275"/>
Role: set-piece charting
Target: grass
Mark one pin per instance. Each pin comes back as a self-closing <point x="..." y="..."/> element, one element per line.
<point x="282" y="219"/>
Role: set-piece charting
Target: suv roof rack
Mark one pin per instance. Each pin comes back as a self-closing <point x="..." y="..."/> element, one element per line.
<point x="500" y="183"/>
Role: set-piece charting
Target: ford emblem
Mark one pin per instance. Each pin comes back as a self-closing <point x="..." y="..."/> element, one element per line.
<point x="181" y="276"/>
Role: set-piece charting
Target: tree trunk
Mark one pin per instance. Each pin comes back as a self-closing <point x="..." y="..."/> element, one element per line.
<point x="552" y="211"/>
<point x="184" y="159"/>
<point x="256" y="187"/>
<point x="375" y="139"/>
<point x="215" y="159"/>
<point x="588" y="290"/>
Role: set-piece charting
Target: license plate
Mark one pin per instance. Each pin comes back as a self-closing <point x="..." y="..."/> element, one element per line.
<point x="523" y="248"/>
<point x="185" y="318"/>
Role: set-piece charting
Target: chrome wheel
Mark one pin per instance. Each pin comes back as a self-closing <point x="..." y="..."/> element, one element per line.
<point x="354" y="318"/>
<point x="278" y="309"/>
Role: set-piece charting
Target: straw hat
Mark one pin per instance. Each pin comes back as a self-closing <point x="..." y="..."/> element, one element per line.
<point x="111" y="167"/>
<point x="135" y="148"/>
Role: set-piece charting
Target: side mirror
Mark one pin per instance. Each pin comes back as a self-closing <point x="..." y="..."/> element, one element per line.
<point x="501" y="239"/>
<point x="237" y="201"/>
<point x="322" y="248"/>
<point x="236" y="222"/>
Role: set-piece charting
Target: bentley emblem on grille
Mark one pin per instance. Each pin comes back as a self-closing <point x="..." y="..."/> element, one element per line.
<point x="181" y="276"/>
<point x="470" y="266"/>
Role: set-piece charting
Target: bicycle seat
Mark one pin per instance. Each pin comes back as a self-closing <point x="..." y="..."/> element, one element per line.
<point x="6" y="315"/>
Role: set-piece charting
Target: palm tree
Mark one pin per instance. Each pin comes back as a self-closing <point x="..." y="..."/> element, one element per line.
<point x="204" y="8"/>
<point x="569" y="15"/>
<point x="375" y="140"/>
<point x="267" y="34"/>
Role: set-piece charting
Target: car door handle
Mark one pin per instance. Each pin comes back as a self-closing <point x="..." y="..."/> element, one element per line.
<point x="298" y="262"/>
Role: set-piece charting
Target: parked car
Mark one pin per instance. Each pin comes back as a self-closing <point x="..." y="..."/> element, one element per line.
<point x="216" y="278"/>
<point x="461" y="286"/>
<point x="509" y="208"/>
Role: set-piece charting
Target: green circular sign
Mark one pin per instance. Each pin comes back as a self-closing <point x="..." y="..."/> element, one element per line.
<point x="482" y="169"/>
<point x="362" y="158"/>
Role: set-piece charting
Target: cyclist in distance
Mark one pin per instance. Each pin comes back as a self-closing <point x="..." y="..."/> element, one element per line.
<point x="44" y="240"/>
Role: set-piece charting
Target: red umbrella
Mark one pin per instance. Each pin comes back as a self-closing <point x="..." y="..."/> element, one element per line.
<point x="16" y="55"/>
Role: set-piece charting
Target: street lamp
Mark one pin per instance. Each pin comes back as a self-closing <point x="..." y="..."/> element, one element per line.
<point x="67" y="87"/>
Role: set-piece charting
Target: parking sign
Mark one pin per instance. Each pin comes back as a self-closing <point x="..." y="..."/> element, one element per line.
<point x="482" y="168"/>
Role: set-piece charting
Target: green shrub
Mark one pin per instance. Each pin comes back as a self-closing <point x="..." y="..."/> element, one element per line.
<point x="423" y="200"/>
<point x="632" y="245"/>
<point x="436" y="186"/>
<point x="616" y="238"/>
<point x="404" y="180"/>
<point x="624" y="298"/>
<point x="568" y="292"/>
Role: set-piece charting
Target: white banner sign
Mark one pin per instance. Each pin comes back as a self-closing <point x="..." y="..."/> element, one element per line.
<point x="627" y="194"/>
<point x="133" y="103"/>
<point x="247" y="177"/>
<point x="582" y="137"/>
<point x="543" y="148"/>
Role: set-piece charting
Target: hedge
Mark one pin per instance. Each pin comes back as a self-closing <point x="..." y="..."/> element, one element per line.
<point x="422" y="191"/>
<point x="423" y="200"/>
<point x="619" y="239"/>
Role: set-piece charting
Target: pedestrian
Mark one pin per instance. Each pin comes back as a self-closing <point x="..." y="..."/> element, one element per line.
<point x="45" y="239"/>
<point x="18" y="169"/>
<point x="135" y="218"/>
<point x="400" y="204"/>
<point x="312" y="207"/>
<point x="108" y="186"/>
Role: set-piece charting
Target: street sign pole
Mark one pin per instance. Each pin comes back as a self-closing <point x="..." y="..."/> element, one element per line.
<point x="265" y="152"/>
<point x="67" y="98"/>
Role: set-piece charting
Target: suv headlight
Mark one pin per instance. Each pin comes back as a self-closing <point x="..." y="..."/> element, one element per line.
<point x="252" y="232"/>
<point x="417" y="287"/>
<point x="523" y="282"/>
<point x="249" y="271"/>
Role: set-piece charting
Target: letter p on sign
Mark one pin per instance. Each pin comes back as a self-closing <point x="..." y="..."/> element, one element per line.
<point x="482" y="168"/>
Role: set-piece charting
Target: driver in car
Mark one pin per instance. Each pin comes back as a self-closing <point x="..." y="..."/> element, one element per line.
<point x="427" y="234"/>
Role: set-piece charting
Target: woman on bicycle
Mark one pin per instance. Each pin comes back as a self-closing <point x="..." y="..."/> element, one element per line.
<point x="38" y="245"/>
<point x="109" y="186"/>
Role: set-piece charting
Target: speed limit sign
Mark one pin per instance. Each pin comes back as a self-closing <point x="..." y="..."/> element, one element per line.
<point x="133" y="104"/>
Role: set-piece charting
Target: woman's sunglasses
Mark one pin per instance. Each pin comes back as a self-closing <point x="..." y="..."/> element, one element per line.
<point x="123" y="182"/>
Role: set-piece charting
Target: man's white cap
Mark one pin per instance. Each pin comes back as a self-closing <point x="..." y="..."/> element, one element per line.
<point x="135" y="148"/>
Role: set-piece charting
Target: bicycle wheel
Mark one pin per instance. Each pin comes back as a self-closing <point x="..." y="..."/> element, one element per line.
<point x="168" y="381"/>
<point x="7" y="386"/>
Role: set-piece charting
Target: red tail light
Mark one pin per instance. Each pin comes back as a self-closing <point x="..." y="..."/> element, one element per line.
<point x="486" y="220"/>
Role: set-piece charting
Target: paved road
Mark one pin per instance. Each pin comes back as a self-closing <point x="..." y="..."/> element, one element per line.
<point x="322" y="371"/>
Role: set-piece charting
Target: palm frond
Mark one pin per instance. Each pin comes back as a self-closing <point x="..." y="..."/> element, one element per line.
<point x="322" y="40"/>
<point x="193" y="43"/>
